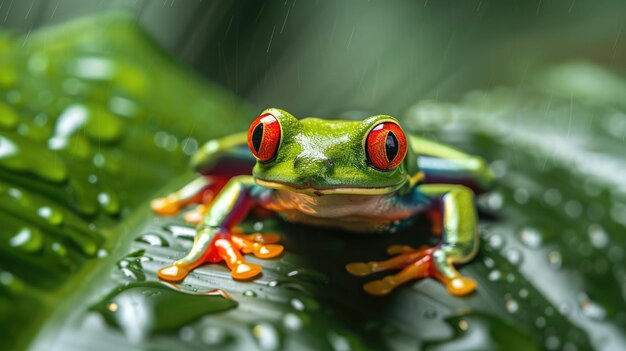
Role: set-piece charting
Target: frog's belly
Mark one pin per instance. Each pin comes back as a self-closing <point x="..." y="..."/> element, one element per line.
<point x="360" y="213"/>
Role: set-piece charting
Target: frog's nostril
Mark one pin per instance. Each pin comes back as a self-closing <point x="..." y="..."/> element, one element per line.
<point x="313" y="166"/>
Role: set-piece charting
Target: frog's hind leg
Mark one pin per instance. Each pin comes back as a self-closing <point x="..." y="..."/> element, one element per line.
<point x="174" y="202"/>
<point x="201" y="191"/>
<point x="458" y="245"/>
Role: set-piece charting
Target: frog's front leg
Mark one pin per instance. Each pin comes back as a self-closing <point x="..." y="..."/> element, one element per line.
<point x="218" y="240"/>
<point x="217" y="161"/>
<point x="459" y="244"/>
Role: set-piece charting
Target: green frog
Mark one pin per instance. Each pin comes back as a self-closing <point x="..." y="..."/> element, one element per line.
<point x="363" y="176"/>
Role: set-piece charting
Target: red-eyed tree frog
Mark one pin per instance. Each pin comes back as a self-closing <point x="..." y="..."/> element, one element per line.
<point x="361" y="176"/>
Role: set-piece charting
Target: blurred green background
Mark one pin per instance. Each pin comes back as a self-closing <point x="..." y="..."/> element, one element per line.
<point x="102" y="103"/>
<point x="372" y="55"/>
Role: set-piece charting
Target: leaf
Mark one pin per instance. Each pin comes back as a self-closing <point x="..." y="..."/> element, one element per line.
<point x="74" y="189"/>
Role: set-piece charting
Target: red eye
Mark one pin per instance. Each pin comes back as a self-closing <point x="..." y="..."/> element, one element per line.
<point x="264" y="137"/>
<point x="385" y="146"/>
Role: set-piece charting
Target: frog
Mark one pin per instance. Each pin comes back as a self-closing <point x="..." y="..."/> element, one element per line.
<point x="362" y="176"/>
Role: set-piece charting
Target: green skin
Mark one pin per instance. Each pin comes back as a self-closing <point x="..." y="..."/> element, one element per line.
<point x="323" y="164"/>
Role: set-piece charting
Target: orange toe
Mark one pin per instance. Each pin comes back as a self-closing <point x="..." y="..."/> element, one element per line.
<point x="165" y="206"/>
<point x="380" y="287"/>
<point x="461" y="286"/>
<point x="359" y="268"/>
<point x="245" y="270"/>
<point x="173" y="273"/>
<point x="196" y="215"/>
<point x="268" y="251"/>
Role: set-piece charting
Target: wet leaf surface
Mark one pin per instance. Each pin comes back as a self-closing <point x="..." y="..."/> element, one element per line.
<point x="91" y="136"/>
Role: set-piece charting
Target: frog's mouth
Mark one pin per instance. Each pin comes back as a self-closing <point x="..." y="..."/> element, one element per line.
<point x="347" y="190"/>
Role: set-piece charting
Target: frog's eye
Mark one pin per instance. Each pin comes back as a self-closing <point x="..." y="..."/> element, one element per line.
<point x="264" y="137"/>
<point x="385" y="146"/>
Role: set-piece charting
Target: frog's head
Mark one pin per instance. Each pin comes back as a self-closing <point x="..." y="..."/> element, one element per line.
<point x="316" y="156"/>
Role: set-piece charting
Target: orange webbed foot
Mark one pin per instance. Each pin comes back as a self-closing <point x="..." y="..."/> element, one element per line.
<point x="413" y="264"/>
<point x="230" y="247"/>
<point x="174" y="273"/>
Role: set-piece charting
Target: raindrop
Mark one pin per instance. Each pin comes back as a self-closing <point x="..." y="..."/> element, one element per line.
<point x="540" y="322"/>
<point x="171" y="143"/>
<point x="463" y="325"/>
<point x="514" y="256"/>
<point x="496" y="241"/>
<point x="40" y="120"/>
<point x="258" y="226"/>
<point x="552" y="197"/>
<point x="592" y="188"/>
<point x="99" y="160"/>
<point x="249" y="293"/>
<point x="530" y="237"/>
<point x="292" y="321"/>
<point x="59" y="249"/>
<point x="510" y="278"/>
<point x="573" y="209"/>
<point x="23" y="129"/>
<point x="37" y="64"/>
<point x="73" y="86"/>
<point x="523" y="293"/>
<point x="494" y="275"/>
<point x="15" y="193"/>
<point x="96" y="68"/>
<point x="189" y="146"/>
<point x="104" y="199"/>
<point x="92" y="179"/>
<point x="216" y="336"/>
<point x="495" y="201"/>
<point x="53" y="217"/>
<point x="266" y="336"/>
<point x="160" y="139"/>
<point x="590" y="308"/>
<point x="511" y="305"/>
<point x="552" y="342"/>
<point x="555" y="260"/>
<point x="499" y="168"/>
<point x="8" y="282"/>
<point x="597" y="236"/>
<point x="521" y="196"/>
<point x="338" y="342"/>
<point x="297" y="304"/>
<point x="564" y="308"/>
<point x="489" y="262"/>
<point x="122" y="106"/>
<point x="27" y="239"/>
<point x="187" y="334"/>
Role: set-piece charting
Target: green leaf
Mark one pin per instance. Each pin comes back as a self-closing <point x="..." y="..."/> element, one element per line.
<point x="106" y="121"/>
